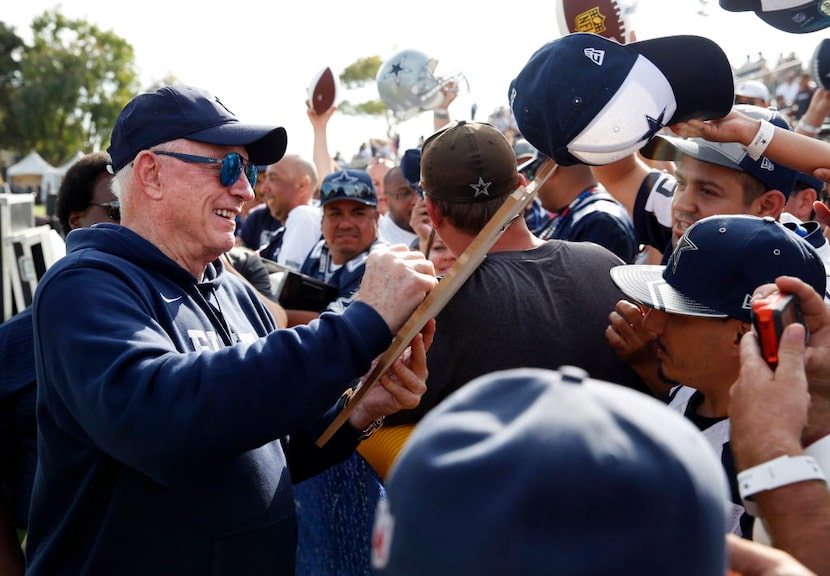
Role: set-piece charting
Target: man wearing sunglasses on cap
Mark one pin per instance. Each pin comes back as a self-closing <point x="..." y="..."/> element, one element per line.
<point x="173" y="416"/>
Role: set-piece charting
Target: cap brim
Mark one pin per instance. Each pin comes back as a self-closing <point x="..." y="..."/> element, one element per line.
<point x="670" y="148"/>
<point x="683" y="60"/>
<point x="796" y="21"/>
<point x="645" y="284"/>
<point x="264" y="144"/>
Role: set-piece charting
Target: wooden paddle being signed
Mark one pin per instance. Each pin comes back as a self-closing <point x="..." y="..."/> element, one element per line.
<point x="452" y="281"/>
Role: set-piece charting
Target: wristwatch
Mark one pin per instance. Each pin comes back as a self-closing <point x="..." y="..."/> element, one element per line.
<point x="370" y="429"/>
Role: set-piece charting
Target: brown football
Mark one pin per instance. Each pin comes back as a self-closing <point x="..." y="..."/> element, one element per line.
<point x="603" y="17"/>
<point x="322" y="91"/>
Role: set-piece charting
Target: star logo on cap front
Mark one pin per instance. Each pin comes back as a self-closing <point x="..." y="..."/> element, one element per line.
<point x="684" y="245"/>
<point x="481" y="187"/>
<point x="344" y="178"/>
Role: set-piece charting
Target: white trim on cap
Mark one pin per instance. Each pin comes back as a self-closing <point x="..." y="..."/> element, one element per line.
<point x="773" y="5"/>
<point x="616" y="132"/>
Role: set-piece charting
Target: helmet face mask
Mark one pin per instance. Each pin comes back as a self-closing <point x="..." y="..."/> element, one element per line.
<point x="407" y="83"/>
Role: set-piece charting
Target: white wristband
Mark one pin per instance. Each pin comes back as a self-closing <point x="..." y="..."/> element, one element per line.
<point x="778" y="472"/>
<point x="808" y="128"/>
<point x="761" y="140"/>
<point x="820" y="451"/>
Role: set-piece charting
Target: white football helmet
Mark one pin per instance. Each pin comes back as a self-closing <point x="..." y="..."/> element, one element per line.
<point x="407" y="83"/>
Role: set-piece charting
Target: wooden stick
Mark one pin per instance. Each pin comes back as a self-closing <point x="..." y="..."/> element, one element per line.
<point x="452" y="281"/>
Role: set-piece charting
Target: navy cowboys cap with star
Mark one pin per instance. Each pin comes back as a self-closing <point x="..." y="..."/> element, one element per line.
<point x="348" y="184"/>
<point x="717" y="265"/>
<point x="585" y="99"/>
<point x="468" y="162"/>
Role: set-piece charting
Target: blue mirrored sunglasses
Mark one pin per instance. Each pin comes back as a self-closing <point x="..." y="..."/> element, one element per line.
<point x="232" y="165"/>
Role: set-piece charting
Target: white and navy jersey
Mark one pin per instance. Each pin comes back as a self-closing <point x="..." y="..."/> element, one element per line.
<point x="685" y="400"/>
<point x="652" y="211"/>
<point x="594" y="216"/>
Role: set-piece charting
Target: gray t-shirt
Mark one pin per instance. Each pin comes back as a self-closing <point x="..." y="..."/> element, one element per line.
<point x="541" y="308"/>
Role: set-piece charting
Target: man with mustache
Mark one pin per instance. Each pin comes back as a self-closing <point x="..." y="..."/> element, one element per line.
<point x="350" y="231"/>
<point x="698" y="308"/>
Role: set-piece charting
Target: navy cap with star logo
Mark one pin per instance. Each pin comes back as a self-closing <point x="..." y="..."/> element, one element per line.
<point x="468" y="162"/>
<point x="585" y="99"/>
<point x="348" y="184"/>
<point x="717" y="265"/>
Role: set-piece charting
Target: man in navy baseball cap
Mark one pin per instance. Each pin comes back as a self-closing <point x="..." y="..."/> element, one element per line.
<point x="174" y="112"/>
<point x="698" y="307"/>
<point x="732" y="155"/>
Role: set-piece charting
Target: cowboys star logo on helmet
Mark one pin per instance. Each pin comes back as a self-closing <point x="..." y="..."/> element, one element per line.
<point x="407" y="83"/>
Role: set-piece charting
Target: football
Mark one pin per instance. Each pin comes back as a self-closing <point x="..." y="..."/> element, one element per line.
<point x="322" y="92"/>
<point x="603" y="17"/>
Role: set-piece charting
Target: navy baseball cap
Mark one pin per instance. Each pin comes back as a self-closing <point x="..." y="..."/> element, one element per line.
<point x="531" y="471"/>
<point x="730" y="154"/>
<point x="411" y="167"/>
<point x="348" y="184"/>
<point x="717" y="265"/>
<point x="820" y="64"/>
<point x="585" y="99"/>
<point x="174" y="112"/>
<point x="468" y="162"/>
<point x="795" y="16"/>
<point x="803" y="181"/>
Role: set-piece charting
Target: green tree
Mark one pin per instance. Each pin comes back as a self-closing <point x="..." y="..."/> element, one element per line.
<point x="73" y="80"/>
<point x="10" y="47"/>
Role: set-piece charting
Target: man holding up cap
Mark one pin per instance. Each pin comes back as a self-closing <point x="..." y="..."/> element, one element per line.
<point x="172" y="416"/>
<point x="698" y="308"/>
<point x="526" y="292"/>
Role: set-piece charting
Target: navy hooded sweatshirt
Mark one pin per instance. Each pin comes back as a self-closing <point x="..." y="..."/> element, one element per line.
<point x="173" y="417"/>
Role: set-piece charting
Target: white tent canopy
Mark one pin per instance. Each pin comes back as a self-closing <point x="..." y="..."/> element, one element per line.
<point x="35" y="165"/>
<point x="31" y="165"/>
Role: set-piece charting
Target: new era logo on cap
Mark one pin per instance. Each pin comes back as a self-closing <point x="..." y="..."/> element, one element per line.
<point x="595" y="56"/>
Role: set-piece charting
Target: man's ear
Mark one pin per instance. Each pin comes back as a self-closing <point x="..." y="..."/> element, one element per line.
<point x="433" y="212"/>
<point x="802" y="203"/>
<point x="146" y="168"/>
<point x="75" y="218"/>
<point x="770" y="203"/>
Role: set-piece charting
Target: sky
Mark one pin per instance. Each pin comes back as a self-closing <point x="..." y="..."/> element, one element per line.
<point x="259" y="57"/>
